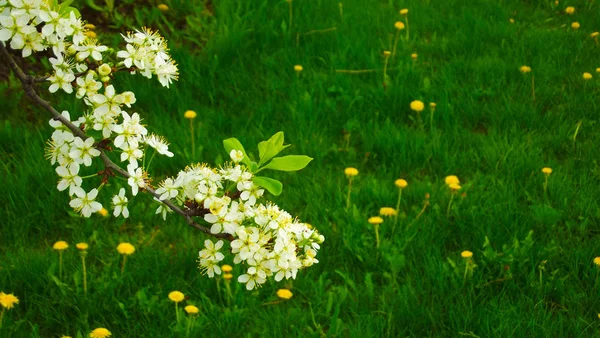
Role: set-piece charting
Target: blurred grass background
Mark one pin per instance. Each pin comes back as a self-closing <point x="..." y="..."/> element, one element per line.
<point x="236" y="62"/>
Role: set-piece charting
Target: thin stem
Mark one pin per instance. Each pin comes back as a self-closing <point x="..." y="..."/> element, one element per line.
<point x="192" y="138"/>
<point x="229" y="295"/>
<point x="407" y="31"/>
<point x="60" y="272"/>
<point x="395" y="42"/>
<point x="533" y="87"/>
<point x="189" y="326"/>
<point x="27" y="82"/>
<point x="376" y="235"/>
<point x="84" y="274"/>
<point x="1" y="316"/>
<point x="432" y="110"/>
<point x="397" y="211"/>
<point x="545" y="187"/>
<point x="349" y="191"/>
<point x="385" y="63"/>
<point x="466" y="271"/>
<point x="450" y="204"/>
<point x="177" y="311"/>
<point x="123" y="265"/>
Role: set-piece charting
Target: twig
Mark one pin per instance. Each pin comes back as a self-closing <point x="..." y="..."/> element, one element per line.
<point x="28" y="81"/>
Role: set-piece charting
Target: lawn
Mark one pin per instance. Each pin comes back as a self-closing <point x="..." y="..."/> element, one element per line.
<point x="534" y="236"/>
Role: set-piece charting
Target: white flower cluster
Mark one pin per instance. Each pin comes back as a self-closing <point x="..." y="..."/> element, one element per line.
<point x="146" y="52"/>
<point x="268" y="240"/>
<point x="78" y="66"/>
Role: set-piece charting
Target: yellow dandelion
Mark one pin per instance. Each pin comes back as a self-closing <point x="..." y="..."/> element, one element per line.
<point x="399" y="25"/>
<point x="227" y="268"/>
<point x="375" y="220"/>
<point x="587" y="76"/>
<point x="414" y="56"/>
<point x="351" y="172"/>
<point x="191" y="309"/>
<point x="432" y="105"/>
<point x="594" y="35"/>
<point x="298" y="68"/>
<point x="163" y="7"/>
<point x="190" y="114"/>
<point x="404" y="11"/>
<point x="387" y="211"/>
<point x="451" y="179"/>
<point x="387" y="53"/>
<point x="466" y="254"/>
<point x="417" y="106"/>
<point x="598" y="70"/>
<point x="525" y="69"/>
<point x="8" y="301"/>
<point x="227" y="276"/>
<point x="125" y="248"/>
<point x="100" y="333"/>
<point x="66" y="337"/>
<point x="60" y="245"/>
<point x="176" y="296"/>
<point x="284" y="294"/>
<point x="570" y="10"/>
<point x="82" y="246"/>
<point x="103" y="212"/>
<point x="547" y="171"/>
<point x="511" y="20"/>
<point x="575" y="25"/>
<point x="454" y="186"/>
<point x="597" y="261"/>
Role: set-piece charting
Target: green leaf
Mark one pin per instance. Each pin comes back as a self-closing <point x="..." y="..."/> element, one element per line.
<point x="273" y="186"/>
<point x="233" y="143"/>
<point x="288" y="163"/>
<point x="268" y="149"/>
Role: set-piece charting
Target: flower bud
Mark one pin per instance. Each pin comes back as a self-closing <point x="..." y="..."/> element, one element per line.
<point x="104" y="69"/>
<point x="105" y="79"/>
<point x="71" y="50"/>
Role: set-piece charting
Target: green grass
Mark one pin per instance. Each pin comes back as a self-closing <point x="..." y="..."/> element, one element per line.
<point x="237" y="73"/>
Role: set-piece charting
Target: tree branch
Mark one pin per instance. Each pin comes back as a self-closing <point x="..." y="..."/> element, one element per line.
<point x="28" y="82"/>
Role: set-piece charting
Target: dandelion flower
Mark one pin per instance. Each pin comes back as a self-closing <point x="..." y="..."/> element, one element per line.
<point x="466" y="254"/>
<point x="575" y="25"/>
<point x="570" y="10"/>
<point x="226" y="268"/>
<point x="399" y="25"/>
<point x="598" y="70"/>
<point x="404" y="11"/>
<point x="587" y="76"/>
<point x="432" y="105"/>
<point x="511" y="20"/>
<point x="387" y="53"/>
<point x="100" y="333"/>
<point x="176" y="296"/>
<point x="597" y="261"/>
<point x="414" y="56"/>
<point x="60" y="245"/>
<point x="8" y="301"/>
<point x="547" y="171"/>
<point x="594" y="35"/>
<point x="387" y="211"/>
<point x="227" y="276"/>
<point x="103" y="212"/>
<point x="525" y="69"/>
<point x="163" y="7"/>
<point x="351" y="172"/>
<point x="82" y="246"/>
<point x="400" y="183"/>
<point x="451" y="179"/>
<point x="125" y="249"/>
<point x="417" y="106"/>
<point x="298" y="68"/>
<point x="190" y="114"/>
<point x="284" y="294"/>
<point x="375" y="220"/>
<point x="454" y="186"/>
<point x="191" y="309"/>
